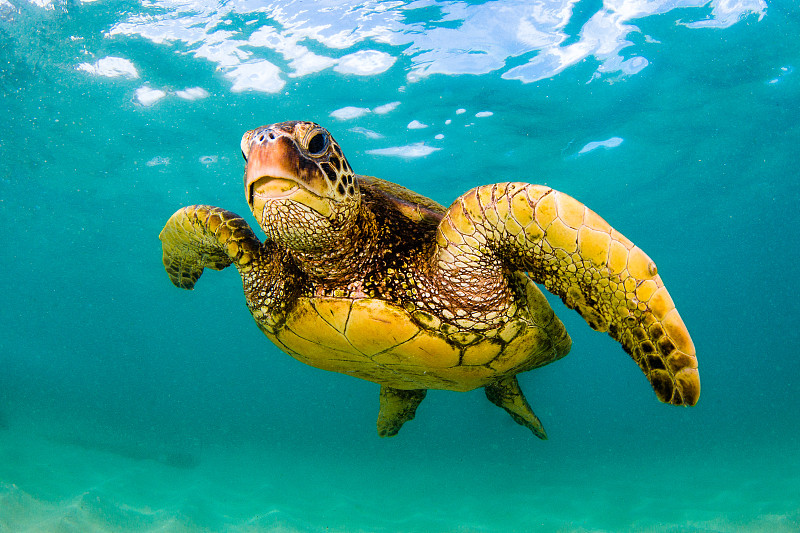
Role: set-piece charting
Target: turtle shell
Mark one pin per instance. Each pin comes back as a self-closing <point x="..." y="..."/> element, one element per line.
<point x="412" y="204"/>
<point x="377" y="341"/>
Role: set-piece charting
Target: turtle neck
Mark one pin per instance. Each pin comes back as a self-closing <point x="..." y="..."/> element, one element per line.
<point x="346" y="258"/>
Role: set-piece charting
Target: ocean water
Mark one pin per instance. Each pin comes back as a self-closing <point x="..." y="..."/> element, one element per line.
<point x="129" y="405"/>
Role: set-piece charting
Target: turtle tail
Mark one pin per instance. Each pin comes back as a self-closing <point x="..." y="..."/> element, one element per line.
<point x="595" y="270"/>
<point x="203" y="236"/>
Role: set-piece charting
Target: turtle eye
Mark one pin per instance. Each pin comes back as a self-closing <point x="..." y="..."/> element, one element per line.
<point x="318" y="143"/>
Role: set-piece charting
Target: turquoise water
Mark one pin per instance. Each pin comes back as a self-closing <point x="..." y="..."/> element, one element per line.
<point x="129" y="405"/>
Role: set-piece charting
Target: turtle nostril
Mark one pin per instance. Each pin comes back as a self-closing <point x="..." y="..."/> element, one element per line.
<point x="265" y="136"/>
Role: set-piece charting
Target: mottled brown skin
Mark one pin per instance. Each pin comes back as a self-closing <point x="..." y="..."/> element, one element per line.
<point x="364" y="277"/>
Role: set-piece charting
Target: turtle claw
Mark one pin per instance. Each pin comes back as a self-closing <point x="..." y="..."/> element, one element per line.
<point x="507" y="394"/>
<point x="397" y="407"/>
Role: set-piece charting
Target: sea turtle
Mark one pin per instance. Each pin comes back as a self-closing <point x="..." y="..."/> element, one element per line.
<point x="364" y="277"/>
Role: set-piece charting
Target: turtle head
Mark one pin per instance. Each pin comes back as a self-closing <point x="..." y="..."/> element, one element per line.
<point x="299" y="185"/>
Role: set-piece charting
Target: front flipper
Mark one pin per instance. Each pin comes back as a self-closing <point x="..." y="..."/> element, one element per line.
<point x="203" y="236"/>
<point x="507" y="394"/>
<point x="576" y="255"/>
<point x="397" y="407"/>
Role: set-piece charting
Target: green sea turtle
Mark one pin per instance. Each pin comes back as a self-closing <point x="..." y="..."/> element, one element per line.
<point x="364" y="277"/>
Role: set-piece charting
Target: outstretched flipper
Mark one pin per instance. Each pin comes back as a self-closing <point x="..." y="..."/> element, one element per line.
<point x="397" y="407"/>
<point x="507" y="394"/>
<point x="576" y="255"/>
<point x="203" y="236"/>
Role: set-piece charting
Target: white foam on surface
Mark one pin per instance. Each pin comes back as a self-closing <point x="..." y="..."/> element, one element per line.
<point x="369" y="134"/>
<point x="386" y="108"/>
<point x="308" y="63"/>
<point x="483" y="114"/>
<point x="476" y="39"/>
<point x="416" y="125"/>
<point x="44" y="4"/>
<point x="148" y="96"/>
<point x="365" y="63"/>
<point x="613" y="142"/>
<point x="111" y="67"/>
<point x="260" y="76"/>
<point x="302" y="61"/>
<point x="223" y="51"/>
<point x="192" y="93"/>
<point x="726" y="13"/>
<point x="408" y="151"/>
<point x="350" y="112"/>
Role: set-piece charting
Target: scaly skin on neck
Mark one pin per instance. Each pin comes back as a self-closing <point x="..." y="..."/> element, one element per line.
<point x="347" y="255"/>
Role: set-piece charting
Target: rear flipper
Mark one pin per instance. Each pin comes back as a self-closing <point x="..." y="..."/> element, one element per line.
<point x="397" y="407"/>
<point x="507" y="394"/>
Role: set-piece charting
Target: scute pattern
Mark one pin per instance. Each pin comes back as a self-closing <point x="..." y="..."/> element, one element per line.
<point x="374" y="340"/>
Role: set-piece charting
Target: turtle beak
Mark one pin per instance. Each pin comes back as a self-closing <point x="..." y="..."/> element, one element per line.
<point x="269" y="172"/>
<point x="276" y="170"/>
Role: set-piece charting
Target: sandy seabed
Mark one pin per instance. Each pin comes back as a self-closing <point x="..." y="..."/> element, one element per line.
<point x="56" y="483"/>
